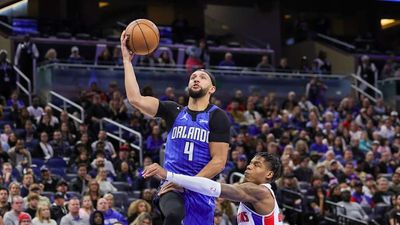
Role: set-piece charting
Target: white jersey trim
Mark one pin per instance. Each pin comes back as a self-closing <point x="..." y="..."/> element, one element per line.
<point x="268" y="186"/>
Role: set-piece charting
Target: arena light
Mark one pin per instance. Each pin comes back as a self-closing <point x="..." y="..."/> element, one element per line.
<point x="14" y="6"/>
<point x="388" y="23"/>
<point x="103" y="4"/>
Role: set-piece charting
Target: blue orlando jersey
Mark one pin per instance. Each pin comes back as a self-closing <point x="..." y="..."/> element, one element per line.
<point x="187" y="150"/>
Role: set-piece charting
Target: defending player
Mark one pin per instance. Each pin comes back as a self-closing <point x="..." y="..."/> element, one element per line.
<point x="197" y="143"/>
<point x="258" y="204"/>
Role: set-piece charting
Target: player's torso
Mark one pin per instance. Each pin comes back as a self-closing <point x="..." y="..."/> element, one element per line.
<point x="247" y="216"/>
<point x="187" y="148"/>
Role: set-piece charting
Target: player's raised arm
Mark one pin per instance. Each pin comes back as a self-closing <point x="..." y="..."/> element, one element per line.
<point x="146" y="104"/>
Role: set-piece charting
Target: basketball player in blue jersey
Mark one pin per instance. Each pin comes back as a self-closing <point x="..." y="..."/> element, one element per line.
<point x="197" y="142"/>
<point x="258" y="204"/>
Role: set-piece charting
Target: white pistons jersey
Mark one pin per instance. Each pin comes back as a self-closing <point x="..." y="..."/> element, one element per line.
<point x="246" y="216"/>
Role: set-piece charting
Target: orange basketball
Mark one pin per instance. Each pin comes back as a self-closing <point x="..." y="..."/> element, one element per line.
<point x="143" y="36"/>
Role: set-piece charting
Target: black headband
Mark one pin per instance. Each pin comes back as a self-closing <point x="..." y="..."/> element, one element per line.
<point x="213" y="81"/>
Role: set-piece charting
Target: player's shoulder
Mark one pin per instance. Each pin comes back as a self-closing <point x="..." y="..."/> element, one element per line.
<point x="171" y="105"/>
<point x="218" y="111"/>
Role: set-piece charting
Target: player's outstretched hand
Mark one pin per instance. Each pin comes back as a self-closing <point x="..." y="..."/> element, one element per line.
<point x="155" y="170"/>
<point x="126" y="53"/>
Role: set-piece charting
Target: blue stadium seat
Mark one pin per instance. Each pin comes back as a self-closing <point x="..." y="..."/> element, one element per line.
<point x="38" y="162"/>
<point x="58" y="171"/>
<point x="122" y="186"/>
<point x="56" y="162"/>
<point x="120" y="199"/>
<point x="74" y="194"/>
<point x="70" y="176"/>
<point x="49" y="195"/>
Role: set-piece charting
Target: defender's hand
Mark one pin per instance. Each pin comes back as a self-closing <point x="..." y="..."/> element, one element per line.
<point x="155" y="170"/>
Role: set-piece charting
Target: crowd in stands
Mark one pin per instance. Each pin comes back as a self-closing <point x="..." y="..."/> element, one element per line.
<point x="333" y="153"/>
<point x="337" y="156"/>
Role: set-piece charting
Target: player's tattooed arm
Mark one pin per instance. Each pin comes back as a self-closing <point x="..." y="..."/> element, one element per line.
<point x="246" y="192"/>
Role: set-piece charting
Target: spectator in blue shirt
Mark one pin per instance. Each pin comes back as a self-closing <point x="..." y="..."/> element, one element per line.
<point x="318" y="146"/>
<point x="228" y="61"/>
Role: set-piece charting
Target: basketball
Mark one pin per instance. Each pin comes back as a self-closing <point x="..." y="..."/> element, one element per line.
<point x="143" y="36"/>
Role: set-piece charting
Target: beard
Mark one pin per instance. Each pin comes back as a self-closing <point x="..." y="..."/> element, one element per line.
<point x="197" y="94"/>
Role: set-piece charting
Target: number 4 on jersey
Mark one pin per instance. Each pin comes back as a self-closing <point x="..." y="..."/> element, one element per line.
<point x="189" y="146"/>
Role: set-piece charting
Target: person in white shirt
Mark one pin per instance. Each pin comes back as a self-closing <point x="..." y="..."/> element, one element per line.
<point x="105" y="184"/>
<point x="35" y="110"/>
<point x="108" y="148"/>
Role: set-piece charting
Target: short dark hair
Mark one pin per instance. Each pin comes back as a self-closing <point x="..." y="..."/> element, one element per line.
<point x="4" y="189"/>
<point x="274" y="164"/>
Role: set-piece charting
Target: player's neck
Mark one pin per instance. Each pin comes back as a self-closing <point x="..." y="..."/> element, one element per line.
<point x="198" y="104"/>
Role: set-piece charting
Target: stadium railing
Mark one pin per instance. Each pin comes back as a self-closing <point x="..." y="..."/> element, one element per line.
<point x="26" y="89"/>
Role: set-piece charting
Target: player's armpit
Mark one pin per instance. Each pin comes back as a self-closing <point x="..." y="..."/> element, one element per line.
<point x="246" y="192"/>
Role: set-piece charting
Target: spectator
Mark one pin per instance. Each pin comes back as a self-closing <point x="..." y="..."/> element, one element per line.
<point x="4" y="204"/>
<point x="80" y="183"/>
<point x="105" y="184"/>
<point x="198" y="56"/>
<point x="227" y="61"/>
<point x="136" y="208"/>
<point x="283" y="66"/>
<point x="43" y="150"/>
<point x="321" y="65"/>
<point x="353" y="209"/>
<point x="110" y="216"/>
<point x="20" y="157"/>
<point x="58" y="209"/>
<point x="304" y="65"/>
<point x="24" y="55"/>
<point x="118" y="111"/>
<point x="96" y="112"/>
<point x="11" y="217"/>
<point x="165" y="59"/>
<point x="43" y="215"/>
<point x="87" y="207"/>
<point x="251" y="115"/>
<point x="318" y="146"/>
<point x="75" y="57"/>
<point x="303" y="172"/>
<point x="290" y="102"/>
<point x="44" y="125"/>
<point x="100" y="161"/>
<point x="48" y="180"/>
<point x="105" y="58"/>
<point x="29" y="134"/>
<point x="169" y="95"/>
<point x="228" y="210"/>
<point x="315" y="92"/>
<point x="93" y="191"/>
<point x="143" y="219"/>
<point x="33" y="200"/>
<point x="24" y="219"/>
<point x="96" y="218"/>
<point x="390" y="67"/>
<point x="240" y="167"/>
<point x="383" y="194"/>
<point x="154" y="142"/>
<point x="15" y="190"/>
<point x="394" y="213"/>
<point x="264" y="65"/>
<point x="60" y="147"/>
<point x="108" y="148"/>
<point x="27" y="180"/>
<point x="73" y="217"/>
<point x="21" y="118"/>
<point x="394" y="186"/>
<point x="51" y="56"/>
<point x="68" y="136"/>
<point x="7" y="174"/>
<point x="117" y="57"/>
<point x="15" y="101"/>
<point x="8" y="80"/>
<point x="359" y="197"/>
<point x="367" y="71"/>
